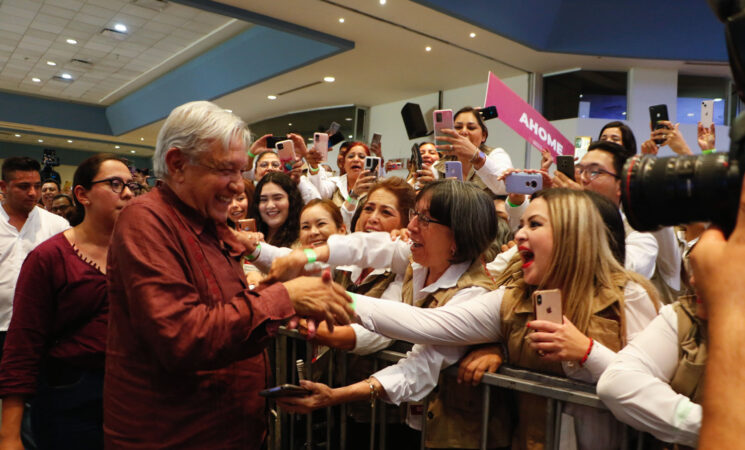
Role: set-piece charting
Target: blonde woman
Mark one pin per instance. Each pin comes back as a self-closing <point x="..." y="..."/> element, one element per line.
<point x="562" y="245"/>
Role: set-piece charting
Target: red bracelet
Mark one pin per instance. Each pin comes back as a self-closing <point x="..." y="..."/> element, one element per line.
<point x="587" y="354"/>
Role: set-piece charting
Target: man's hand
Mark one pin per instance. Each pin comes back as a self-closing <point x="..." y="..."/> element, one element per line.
<point x="562" y="181"/>
<point x="479" y="361"/>
<point x="706" y="137"/>
<point x="320" y="299"/>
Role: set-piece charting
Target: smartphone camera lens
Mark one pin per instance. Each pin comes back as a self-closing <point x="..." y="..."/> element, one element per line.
<point x="539" y="299"/>
<point x="280" y="146"/>
<point x="439" y="117"/>
<point x="533" y="184"/>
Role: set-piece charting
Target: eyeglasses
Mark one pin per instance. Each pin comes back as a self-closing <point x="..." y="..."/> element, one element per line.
<point x="591" y="171"/>
<point x="225" y="172"/>
<point x="117" y="185"/>
<point x="424" y="221"/>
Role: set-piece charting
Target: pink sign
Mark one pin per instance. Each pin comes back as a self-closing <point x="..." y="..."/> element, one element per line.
<point x="524" y="120"/>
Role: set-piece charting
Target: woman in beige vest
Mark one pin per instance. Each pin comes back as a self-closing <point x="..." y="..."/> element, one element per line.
<point x="655" y="384"/>
<point x="563" y="245"/>
<point x="452" y="224"/>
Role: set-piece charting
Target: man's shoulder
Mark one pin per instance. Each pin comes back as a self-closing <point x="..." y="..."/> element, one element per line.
<point x="50" y="221"/>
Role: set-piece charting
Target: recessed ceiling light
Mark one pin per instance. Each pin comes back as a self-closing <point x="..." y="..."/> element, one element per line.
<point x="132" y="151"/>
<point x="142" y="139"/>
<point x="116" y="146"/>
<point x="289" y="124"/>
<point x="428" y="48"/>
<point x="348" y="119"/>
<point x="51" y="63"/>
<point x="120" y="27"/>
<point x="71" y="41"/>
<point x="717" y="99"/>
<point x="473" y="35"/>
<point x="329" y="79"/>
<point x="382" y="2"/>
<point x="689" y="114"/>
<point x="66" y="76"/>
<point x="271" y="97"/>
<point x="17" y="135"/>
<point x="341" y="20"/>
<point x="350" y="136"/>
<point x="69" y="141"/>
<point x="36" y="80"/>
<point x="623" y="113"/>
<point x="41" y="140"/>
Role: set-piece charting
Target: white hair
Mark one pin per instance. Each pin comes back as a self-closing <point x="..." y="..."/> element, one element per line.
<point x="192" y="127"/>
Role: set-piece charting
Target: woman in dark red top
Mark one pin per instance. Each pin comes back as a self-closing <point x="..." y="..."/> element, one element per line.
<point x="55" y="347"/>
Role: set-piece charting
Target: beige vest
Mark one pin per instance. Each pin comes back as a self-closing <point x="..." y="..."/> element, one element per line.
<point x="692" y="351"/>
<point x="516" y="311"/>
<point x="372" y="287"/>
<point x="454" y="410"/>
<point x="473" y="177"/>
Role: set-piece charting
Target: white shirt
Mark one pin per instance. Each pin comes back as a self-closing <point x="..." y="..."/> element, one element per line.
<point x="636" y="385"/>
<point x="15" y="245"/>
<point x="641" y="250"/>
<point x="326" y="187"/>
<point x="496" y="162"/>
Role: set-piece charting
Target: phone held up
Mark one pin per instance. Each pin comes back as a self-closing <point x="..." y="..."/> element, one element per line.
<point x="547" y="305"/>
<point x="707" y="113"/>
<point x="286" y="153"/>
<point x="454" y="169"/>
<point x="321" y="145"/>
<point x="246" y="225"/>
<point x="658" y="113"/>
<point x="488" y="112"/>
<point x="372" y="164"/>
<point x="443" y="118"/>
<point x="523" y="183"/>
<point x="565" y="165"/>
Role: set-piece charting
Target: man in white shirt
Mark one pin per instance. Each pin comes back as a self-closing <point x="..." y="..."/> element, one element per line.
<point x="23" y="226"/>
<point x="599" y="171"/>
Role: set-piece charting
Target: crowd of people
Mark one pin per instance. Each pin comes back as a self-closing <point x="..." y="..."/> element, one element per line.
<point x="133" y="317"/>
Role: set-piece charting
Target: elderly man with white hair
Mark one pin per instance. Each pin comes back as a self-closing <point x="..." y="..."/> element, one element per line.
<point x="185" y="357"/>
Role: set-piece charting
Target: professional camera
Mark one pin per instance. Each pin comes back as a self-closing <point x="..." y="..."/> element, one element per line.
<point x="682" y="189"/>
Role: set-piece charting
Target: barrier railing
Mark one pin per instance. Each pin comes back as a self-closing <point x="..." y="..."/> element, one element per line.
<point x="558" y="392"/>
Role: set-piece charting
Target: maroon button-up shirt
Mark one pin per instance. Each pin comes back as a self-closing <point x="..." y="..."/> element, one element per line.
<point x="185" y="354"/>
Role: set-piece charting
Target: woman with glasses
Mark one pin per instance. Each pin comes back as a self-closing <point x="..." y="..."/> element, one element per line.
<point x="450" y="227"/>
<point x="54" y="352"/>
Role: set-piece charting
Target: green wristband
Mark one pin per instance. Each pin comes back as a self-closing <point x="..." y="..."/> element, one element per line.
<point x="312" y="170"/>
<point x="351" y="200"/>
<point x="254" y="254"/>
<point x="353" y="296"/>
<point x="510" y="203"/>
<point x="311" y="255"/>
<point x="250" y="155"/>
<point x="711" y="150"/>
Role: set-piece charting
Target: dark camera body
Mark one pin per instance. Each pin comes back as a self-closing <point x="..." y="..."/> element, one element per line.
<point x="658" y="192"/>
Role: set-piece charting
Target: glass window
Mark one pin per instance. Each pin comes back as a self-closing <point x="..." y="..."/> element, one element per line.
<point x="585" y="94"/>
<point x="693" y="89"/>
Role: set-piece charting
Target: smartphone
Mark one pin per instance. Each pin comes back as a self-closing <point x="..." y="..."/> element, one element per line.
<point x="375" y="139"/>
<point x="454" y="169"/>
<point x="284" y="390"/>
<point x="565" y="165"/>
<point x="488" y="112"/>
<point x="416" y="157"/>
<point x="372" y="164"/>
<point x="246" y="225"/>
<point x="547" y="305"/>
<point x="286" y="153"/>
<point x="333" y="129"/>
<point x="443" y="118"/>
<point x="271" y="141"/>
<point x="523" y="183"/>
<point x="321" y="144"/>
<point x="656" y="114"/>
<point x="707" y="113"/>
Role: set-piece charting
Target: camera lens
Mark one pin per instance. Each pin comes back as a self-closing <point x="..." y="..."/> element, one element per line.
<point x="439" y="117"/>
<point x="280" y="146"/>
<point x="539" y="299"/>
<point x="680" y="189"/>
<point x="533" y="184"/>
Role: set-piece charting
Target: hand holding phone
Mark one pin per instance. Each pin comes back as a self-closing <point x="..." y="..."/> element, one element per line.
<point x="321" y="145"/>
<point x="658" y="113"/>
<point x="416" y="157"/>
<point x="443" y="118"/>
<point x="523" y="183"/>
<point x="547" y="305"/>
<point x="488" y="112"/>
<point x="286" y="153"/>
<point x="565" y="165"/>
<point x="285" y="390"/>
<point x="454" y="169"/>
<point x="372" y="165"/>
<point x="707" y="113"/>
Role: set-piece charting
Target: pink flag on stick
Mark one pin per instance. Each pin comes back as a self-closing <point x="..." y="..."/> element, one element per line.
<point x="517" y="114"/>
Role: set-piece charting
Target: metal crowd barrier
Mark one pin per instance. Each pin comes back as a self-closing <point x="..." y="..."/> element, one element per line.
<point x="558" y="392"/>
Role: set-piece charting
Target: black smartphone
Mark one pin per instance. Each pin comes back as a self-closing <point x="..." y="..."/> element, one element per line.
<point x="372" y="164"/>
<point x="284" y="390"/>
<point x="271" y="141"/>
<point x="489" y="112"/>
<point x="658" y="113"/>
<point x="565" y="165"/>
<point x="416" y="157"/>
<point x="376" y="139"/>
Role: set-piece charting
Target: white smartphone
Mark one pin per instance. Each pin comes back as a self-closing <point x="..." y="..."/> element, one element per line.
<point x="454" y="169"/>
<point x="547" y="305"/>
<point x="443" y="118"/>
<point x="707" y="113"/>
<point x="321" y="144"/>
<point x="286" y="153"/>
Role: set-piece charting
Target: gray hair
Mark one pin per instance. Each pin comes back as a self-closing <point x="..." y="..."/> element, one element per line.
<point x="192" y="127"/>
